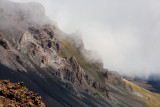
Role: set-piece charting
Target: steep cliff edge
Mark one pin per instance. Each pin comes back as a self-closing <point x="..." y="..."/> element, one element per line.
<point x="35" y="51"/>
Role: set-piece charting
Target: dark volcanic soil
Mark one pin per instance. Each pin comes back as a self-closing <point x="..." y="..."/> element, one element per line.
<point x="52" y="94"/>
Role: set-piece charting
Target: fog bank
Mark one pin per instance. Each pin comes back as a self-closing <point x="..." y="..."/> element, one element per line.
<point x="125" y="33"/>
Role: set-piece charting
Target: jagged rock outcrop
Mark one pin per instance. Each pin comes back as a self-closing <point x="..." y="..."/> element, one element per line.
<point x="4" y="43"/>
<point x="77" y="69"/>
<point x="16" y="18"/>
<point x="16" y="95"/>
<point x="89" y="81"/>
<point x="113" y="78"/>
<point x="102" y="88"/>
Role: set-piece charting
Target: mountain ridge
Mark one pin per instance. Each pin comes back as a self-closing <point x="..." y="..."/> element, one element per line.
<point x="49" y="62"/>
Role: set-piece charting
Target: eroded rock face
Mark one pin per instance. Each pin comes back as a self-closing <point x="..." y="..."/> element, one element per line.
<point x="69" y="74"/>
<point x="17" y="17"/>
<point x="4" y="42"/>
<point x="113" y="78"/>
<point x="77" y="69"/>
<point x="99" y="86"/>
<point x="89" y="81"/>
<point x="16" y="95"/>
<point x="102" y="88"/>
<point x="40" y="46"/>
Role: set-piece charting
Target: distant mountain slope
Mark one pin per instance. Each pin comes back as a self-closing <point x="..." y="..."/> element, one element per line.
<point x="48" y="61"/>
<point x="155" y="86"/>
<point x="152" y="85"/>
<point x="151" y="99"/>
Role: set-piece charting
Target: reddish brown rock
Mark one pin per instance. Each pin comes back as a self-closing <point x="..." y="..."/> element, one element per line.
<point x="15" y="95"/>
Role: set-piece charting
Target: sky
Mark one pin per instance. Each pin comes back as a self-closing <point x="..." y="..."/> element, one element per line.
<point x="126" y="33"/>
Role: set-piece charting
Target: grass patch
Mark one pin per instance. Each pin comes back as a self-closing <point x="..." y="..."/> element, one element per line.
<point x="151" y="99"/>
<point x="24" y="88"/>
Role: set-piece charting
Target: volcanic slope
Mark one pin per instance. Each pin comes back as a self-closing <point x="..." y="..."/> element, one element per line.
<point x="51" y="63"/>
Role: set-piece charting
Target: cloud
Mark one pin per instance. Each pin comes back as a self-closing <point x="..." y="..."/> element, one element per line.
<point x="126" y="33"/>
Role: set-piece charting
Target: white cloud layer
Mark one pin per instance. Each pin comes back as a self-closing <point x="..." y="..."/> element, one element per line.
<point x="125" y="32"/>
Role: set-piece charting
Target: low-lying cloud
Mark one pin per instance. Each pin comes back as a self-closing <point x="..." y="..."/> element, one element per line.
<point x="125" y="32"/>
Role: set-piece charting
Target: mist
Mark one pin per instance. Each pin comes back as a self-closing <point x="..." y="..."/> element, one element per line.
<point x="125" y="33"/>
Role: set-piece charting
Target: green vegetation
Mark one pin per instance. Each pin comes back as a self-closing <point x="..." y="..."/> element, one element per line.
<point x="24" y="88"/>
<point x="149" y="98"/>
<point x="68" y="49"/>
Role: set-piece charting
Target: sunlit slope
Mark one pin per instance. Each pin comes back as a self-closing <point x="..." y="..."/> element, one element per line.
<point x="139" y="94"/>
<point x="149" y="98"/>
<point x="68" y="49"/>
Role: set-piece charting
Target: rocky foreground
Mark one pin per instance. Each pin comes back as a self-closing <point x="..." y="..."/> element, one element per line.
<point x="17" y="95"/>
